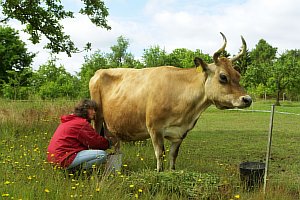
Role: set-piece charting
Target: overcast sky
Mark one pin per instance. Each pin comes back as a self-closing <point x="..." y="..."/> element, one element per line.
<point x="191" y="24"/>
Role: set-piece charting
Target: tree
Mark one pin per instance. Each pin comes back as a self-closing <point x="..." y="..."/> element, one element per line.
<point x="43" y="18"/>
<point x="292" y="58"/>
<point x="282" y="74"/>
<point x="242" y="64"/>
<point x="92" y="64"/>
<point x="13" y="53"/>
<point x="154" y="56"/>
<point x="184" y="58"/>
<point x="181" y="57"/>
<point x="18" y="84"/>
<point x="119" y="56"/>
<point x="262" y="58"/>
<point x="53" y="82"/>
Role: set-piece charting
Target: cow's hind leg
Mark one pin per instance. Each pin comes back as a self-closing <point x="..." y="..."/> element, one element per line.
<point x="174" y="153"/>
<point x="158" y="145"/>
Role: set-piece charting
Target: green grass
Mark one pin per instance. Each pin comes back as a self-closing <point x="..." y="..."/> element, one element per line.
<point x="207" y="166"/>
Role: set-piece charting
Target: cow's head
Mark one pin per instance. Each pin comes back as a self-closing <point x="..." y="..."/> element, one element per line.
<point x="222" y="85"/>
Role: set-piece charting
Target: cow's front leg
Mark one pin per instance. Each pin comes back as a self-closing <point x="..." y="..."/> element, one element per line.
<point x="174" y="153"/>
<point x="158" y="145"/>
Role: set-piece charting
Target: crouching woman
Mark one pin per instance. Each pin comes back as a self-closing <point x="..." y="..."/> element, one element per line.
<point x="75" y="143"/>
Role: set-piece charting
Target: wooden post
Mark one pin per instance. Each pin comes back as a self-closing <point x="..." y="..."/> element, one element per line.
<point x="269" y="147"/>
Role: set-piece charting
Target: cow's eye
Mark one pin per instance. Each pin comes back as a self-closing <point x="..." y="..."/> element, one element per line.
<point x="223" y="78"/>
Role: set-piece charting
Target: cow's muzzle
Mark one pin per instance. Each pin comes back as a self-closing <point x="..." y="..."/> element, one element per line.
<point x="247" y="101"/>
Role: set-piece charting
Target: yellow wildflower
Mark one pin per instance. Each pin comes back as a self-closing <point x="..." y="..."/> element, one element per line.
<point x="237" y="196"/>
<point x="6" y="182"/>
<point x="47" y="191"/>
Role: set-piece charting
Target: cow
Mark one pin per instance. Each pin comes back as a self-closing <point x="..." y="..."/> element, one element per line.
<point x="165" y="102"/>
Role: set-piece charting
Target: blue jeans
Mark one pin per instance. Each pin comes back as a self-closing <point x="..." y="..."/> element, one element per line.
<point x="89" y="158"/>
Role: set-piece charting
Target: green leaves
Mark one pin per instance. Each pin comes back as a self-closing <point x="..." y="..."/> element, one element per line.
<point x="180" y="57"/>
<point x="13" y="53"/>
<point x="43" y="18"/>
<point x="97" y="12"/>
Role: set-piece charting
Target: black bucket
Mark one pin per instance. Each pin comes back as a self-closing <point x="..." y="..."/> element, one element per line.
<point x="252" y="174"/>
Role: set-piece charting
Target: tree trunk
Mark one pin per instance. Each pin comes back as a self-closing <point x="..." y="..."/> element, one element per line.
<point x="277" y="98"/>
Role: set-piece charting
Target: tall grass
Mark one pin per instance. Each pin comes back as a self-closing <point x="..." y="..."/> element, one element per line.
<point x="207" y="165"/>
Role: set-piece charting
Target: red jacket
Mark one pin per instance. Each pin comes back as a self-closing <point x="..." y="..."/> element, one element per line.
<point x="73" y="135"/>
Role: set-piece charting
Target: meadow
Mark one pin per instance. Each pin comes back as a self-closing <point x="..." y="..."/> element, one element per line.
<point x="207" y="166"/>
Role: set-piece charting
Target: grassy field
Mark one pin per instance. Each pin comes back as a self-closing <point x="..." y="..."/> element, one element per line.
<point x="207" y="165"/>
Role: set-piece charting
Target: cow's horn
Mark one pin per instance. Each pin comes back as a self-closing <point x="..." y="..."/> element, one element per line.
<point x="218" y="53"/>
<point x="242" y="52"/>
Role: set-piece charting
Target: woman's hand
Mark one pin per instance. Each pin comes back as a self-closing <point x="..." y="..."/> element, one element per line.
<point x="114" y="141"/>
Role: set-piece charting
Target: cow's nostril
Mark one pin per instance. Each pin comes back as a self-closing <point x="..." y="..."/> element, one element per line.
<point x="247" y="100"/>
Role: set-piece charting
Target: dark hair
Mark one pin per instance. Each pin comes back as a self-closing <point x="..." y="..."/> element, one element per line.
<point x="81" y="110"/>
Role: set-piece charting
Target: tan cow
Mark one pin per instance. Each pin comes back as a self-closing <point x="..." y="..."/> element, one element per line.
<point x="164" y="102"/>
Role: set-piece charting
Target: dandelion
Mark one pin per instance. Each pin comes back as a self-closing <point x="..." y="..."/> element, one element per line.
<point x="73" y="188"/>
<point x="140" y="190"/>
<point x="125" y="165"/>
<point x="136" y="196"/>
<point x="97" y="189"/>
<point x="237" y="196"/>
<point x="142" y="159"/>
<point x="5" y="195"/>
<point x="29" y="177"/>
<point x="131" y="186"/>
<point x="47" y="191"/>
<point x="6" y="182"/>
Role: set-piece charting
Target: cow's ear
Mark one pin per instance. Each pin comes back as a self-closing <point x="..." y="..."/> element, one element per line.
<point x="200" y="63"/>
